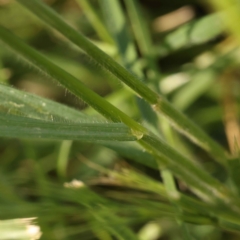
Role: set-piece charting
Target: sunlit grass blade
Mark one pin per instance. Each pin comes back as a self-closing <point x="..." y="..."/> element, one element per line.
<point x="230" y="15"/>
<point x="63" y="157"/>
<point x="190" y="34"/>
<point x="21" y="127"/>
<point x="201" y="81"/>
<point x="20" y="229"/>
<point x="192" y="90"/>
<point x="159" y="103"/>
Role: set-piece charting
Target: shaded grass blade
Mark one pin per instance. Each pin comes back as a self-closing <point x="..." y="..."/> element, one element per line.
<point x="95" y="20"/>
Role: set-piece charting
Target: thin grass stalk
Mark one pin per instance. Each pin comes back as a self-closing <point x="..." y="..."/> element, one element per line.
<point x="95" y="20"/>
<point x="115" y="19"/>
<point x="144" y="41"/>
<point x="143" y="38"/>
<point x="70" y="82"/>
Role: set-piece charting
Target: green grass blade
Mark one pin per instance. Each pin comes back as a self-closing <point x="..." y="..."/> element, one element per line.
<point x="159" y="103"/>
<point x="53" y="19"/>
<point x="117" y="25"/>
<point x="114" y="225"/>
<point x="143" y="39"/>
<point x="199" y="84"/>
<point x="189" y="172"/>
<point x="95" y="20"/>
<point x="190" y="34"/>
<point x="144" y="42"/>
<point x="104" y="216"/>
<point x="17" y="102"/>
<point x="134" y="152"/>
<point x="63" y="157"/>
<point x="21" y="127"/>
<point x="67" y="80"/>
<point x="139" y="26"/>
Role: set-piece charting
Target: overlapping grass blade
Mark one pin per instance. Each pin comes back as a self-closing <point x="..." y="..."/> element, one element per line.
<point x="202" y="80"/>
<point x="95" y="20"/>
<point x="117" y="25"/>
<point x="144" y="41"/>
<point x="159" y="103"/>
<point x="143" y="38"/>
<point x="197" y="178"/>
<point x="67" y="80"/>
<point x="104" y="216"/>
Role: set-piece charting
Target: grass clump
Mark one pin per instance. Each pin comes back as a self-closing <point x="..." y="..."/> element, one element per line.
<point x="144" y="160"/>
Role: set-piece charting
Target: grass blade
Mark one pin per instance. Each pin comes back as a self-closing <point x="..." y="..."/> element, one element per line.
<point x="16" y="102"/>
<point x="144" y="41"/>
<point x="105" y="217"/>
<point x="21" y="127"/>
<point x="117" y="25"/>
<point x="67" y="80"/>
<point x="133" y="151"/>
<point x="190" y="34"/>
<point x="95" y="20"/>
<point x="63" y="157"/>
